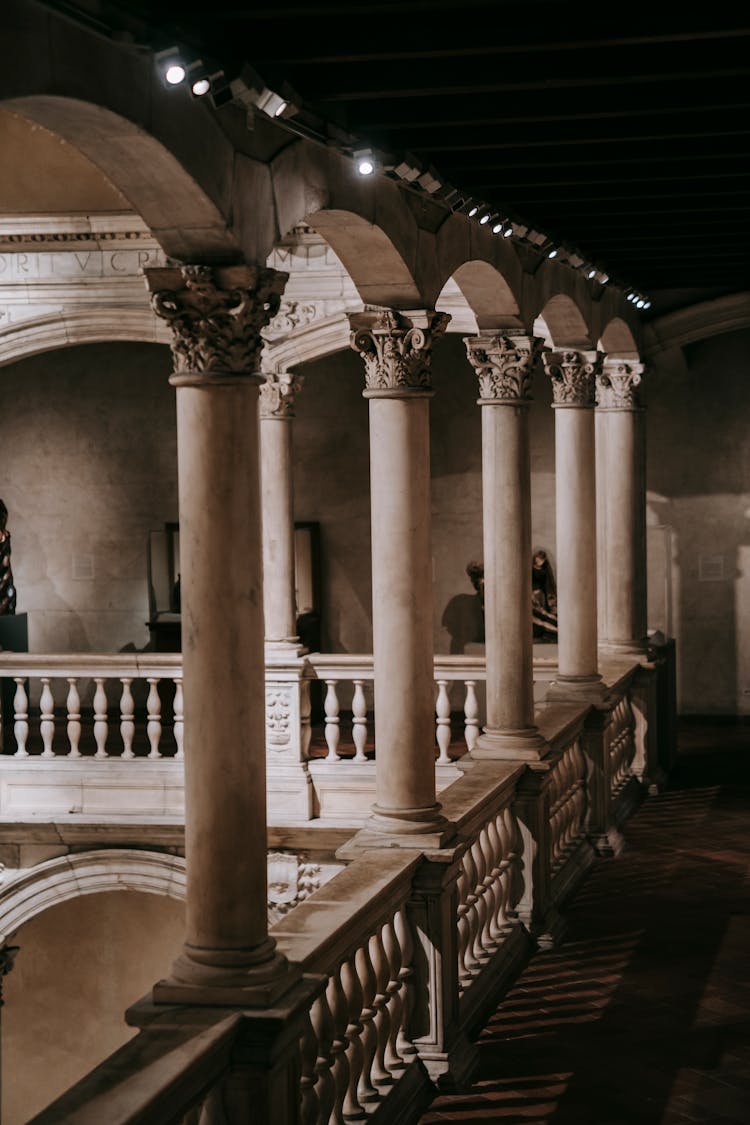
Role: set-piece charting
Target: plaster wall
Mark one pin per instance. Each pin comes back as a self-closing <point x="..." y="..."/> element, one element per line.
<point x="81" y="964"/>
<point x="88" y="464"/>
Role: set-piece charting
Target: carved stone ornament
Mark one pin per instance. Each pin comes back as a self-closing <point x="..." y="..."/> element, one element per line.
<point x="617" y="383"/>
<point x="573" y="376"/>
<point x="216" y="315"/>
<point x="278" y="718"/>
<point x="278" y="393"/>
<point x="396" y="346"/>
<point x="292" y="315"/>
<point x="504" y="365"/>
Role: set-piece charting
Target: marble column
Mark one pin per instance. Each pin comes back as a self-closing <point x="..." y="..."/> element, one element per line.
<point x="216" y="316"/>
<point x="573" y="375"/>
<point x="277" y="396"/>
<point x="504" y="364"/>
<point x="396" y="349"/>
<point x="621" y="506"/>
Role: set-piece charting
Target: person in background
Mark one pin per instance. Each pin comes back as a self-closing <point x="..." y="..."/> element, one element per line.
<point x="7" y="588"/>
<point x="543" y="598"/>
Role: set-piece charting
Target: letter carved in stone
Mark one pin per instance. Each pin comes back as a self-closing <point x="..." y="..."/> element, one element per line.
<point x="278" y="393"/>
<point x="216" y="315"/>
<point x="278" y="718"/>
<point x="396" y="347"/>
<point x="617" y="383"/>
<point x="573" y="376"/>
<point x="504" y="365"/>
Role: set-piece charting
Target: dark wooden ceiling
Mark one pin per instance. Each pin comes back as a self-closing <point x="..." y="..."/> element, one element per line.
<point x="619" y="129"/>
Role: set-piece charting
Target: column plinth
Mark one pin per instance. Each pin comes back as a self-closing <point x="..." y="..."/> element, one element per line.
<point x="621" y="500"/>
<point x="573" y="376"/>
<point x="504" y="364"/>
<point x="216" y="316"/>
<point x="395" y="348"/>
<point x="277" y="397"/>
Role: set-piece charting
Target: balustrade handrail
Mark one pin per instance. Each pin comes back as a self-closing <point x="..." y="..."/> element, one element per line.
<point x="135" y="664"/>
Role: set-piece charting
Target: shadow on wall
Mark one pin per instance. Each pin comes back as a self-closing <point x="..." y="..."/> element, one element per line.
<point x="699" y="487"/>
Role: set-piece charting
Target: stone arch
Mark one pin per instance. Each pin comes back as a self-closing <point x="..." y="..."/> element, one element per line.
<point x="179" y="213"/>
<point x="563" y="323"/>
<point x="82" y="873"/>
<point x="487" y="294"/>
<point x="372" y="260"/>
<point x="81" y="326"/>
<point x="617" y="339"/>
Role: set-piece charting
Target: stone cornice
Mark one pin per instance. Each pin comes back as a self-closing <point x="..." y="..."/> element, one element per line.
<point x="617" y="384"/>
<point x="396" y="347"/>
<point x="216" y="315"/>
<point x="573" y="375"/>
<point x="504" y="364"/>
<point x="278" y="394"/>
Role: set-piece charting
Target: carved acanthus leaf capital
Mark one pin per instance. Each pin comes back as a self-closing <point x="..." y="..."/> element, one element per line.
<point x="617" y="384"/>
<point x="396" y="346"/>
<point x="278" y="393"/>
<point x="216" y="315"/>
<point x="573" y="376"/>
<point x="504" y="365"/>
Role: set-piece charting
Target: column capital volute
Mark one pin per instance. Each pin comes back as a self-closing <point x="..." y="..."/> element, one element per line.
<point x="278" y="393"/>
<point x="216" y="314"/>
<point x="617" y="384"/>
<point x="396" y="347"/>
<point x="504" y="363"/>
<point x="573" y="374"/>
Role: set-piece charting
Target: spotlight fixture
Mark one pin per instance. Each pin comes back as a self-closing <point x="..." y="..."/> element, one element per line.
<point x="639" y="304"/>
<point x="508" y="231"/>
<point x="408" y="168"/>
<point x="591" y="274"/>
<point x="171" y="65"/>
<point x="485" y="218"/>
<point x="553" y="253"/>
<point x="473" y="210"/>
<point x="647" y="305"/>
<point x="519" y="230"/>
<point x="364" y="160"/>
<point x="497" y="228"/>
<point x="430" y="181"/>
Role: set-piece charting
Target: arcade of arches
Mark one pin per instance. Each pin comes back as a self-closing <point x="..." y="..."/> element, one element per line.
<point x="508" y="405"/>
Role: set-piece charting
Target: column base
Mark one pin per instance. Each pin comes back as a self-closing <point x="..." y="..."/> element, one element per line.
<point x="290" y="648"/>
<point x="425" y="829"/>
<point x="209" y="982"/>
<point x="575" y="689"/>
<point x="523" y="745"/>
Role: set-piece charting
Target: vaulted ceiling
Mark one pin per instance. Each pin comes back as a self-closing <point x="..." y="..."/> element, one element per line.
<point x="621" y="130"/>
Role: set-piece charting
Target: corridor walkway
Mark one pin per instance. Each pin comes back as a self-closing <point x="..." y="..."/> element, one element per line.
<point x="642" y="1015"/>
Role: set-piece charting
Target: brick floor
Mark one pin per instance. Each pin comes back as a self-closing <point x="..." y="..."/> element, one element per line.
<point x="642" y="1015"/>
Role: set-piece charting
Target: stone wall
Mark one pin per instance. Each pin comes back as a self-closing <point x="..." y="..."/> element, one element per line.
<point x="81" y="963"/>
<point x="88" y="464"/>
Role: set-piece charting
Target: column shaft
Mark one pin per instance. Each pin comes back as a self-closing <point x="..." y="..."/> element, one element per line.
<point x="402" y="605"/>
<point x="278" y="529"/>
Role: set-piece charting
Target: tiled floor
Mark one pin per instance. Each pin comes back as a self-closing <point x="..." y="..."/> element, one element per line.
<point x="642" y="1015"/>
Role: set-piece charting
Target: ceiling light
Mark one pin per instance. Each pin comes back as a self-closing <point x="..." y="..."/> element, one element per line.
<point x="364" y="160"/>
<point x="647" y="305"/>
<point x="552" y="254"/>
<point x="640" y="303"/>
<point x="430" y="181"/>
<point x="485" y="218"/>
<point x="591" y="274"/>
<point x="508" y="231"/>
<point x="201" y="86"/>
<point x="497" y="228"/>
<point x="408" y="168"/>
<point x="473" y="210"/>
<point x="174" y="74"/>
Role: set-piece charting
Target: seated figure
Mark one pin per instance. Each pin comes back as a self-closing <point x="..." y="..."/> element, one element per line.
<point x="543" y="598"/>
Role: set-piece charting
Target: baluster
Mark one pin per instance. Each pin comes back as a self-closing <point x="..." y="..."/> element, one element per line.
<point x="73" y="704"/>
<point x="502" y="825"/>
<point x="101" y="725"/>
<point x="359" y="721"/>
<point x="179" y="717"/>
<point x="305" y="711"/>
<point x="480" y="953"/>
<point x="353" y="1111"/>
<point x="153" y="725"/>
<point x="498" y="880"/>
<point x="47" y="714"/>
<point x="127" y="711"/>
<point x="487" y="847"/>
<point x="380" y="1075"/>
<point x="325" y="1087"/>
<point x="308" y="1049"/>
<point x="393" y="1060"/>
<point x="516" y="885"/>
<point x="332" y="731"/>
<point x="406" y="1048"/>
<point x="470" y="960"/>
<point x="366" y="1092"/>
<point x="339" y="1063"/>
<point x="462" y="927"/>
<point x="471" y="715"/>
<point x="443" y="715"/>
<point x="21" y="718"/>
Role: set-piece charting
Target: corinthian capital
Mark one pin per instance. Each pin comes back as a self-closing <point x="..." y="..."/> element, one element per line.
<point x="617" y="383"/>
<point x="396" y="346"/>
<point x="504" y="365"/>
<point x="573" y="376"/>
<point x="278" y="393"/>
<point x="216" y="315"/>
